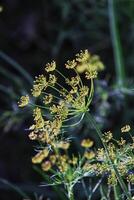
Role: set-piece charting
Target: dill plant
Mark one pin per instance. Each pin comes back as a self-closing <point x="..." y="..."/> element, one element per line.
<point x="61" y="106"/>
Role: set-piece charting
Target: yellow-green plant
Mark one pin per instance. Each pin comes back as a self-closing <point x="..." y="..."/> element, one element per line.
<point x="63" y="102"/>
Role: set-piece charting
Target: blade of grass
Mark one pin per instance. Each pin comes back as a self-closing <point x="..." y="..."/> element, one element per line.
<point x="11" y="77"/>
<point x="116" y="42"/>
<point x="10" y="93"/>
<point x="15" y="188"/>
<point x="16" y="66"/>
<point x="116" y="192"/>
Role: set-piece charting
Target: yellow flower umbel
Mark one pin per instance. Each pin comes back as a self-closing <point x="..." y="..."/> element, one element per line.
<point x="59" y="106"/>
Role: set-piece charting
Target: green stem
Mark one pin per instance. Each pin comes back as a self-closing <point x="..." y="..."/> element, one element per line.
<point x="15" y="188"/>
<point x="116" y="42"/>
<point x="70" y="193"/>
<point x="116" y="192"/>
<point x="71" y="197"/>
<point x="120" y="180"/>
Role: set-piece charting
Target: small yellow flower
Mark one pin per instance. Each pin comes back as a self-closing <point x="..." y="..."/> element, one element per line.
<point x="63" y="167"/>
<point x="60" y="110"/>
<point x="91" y="75"/>
<point x="87" y="143"/>
<point x="111" y="150"/>
<point x="71" y="64"/>
<point x="44" y="137"/>
<point x="36" y="91"/>
<point x="37" y="113"/>
<point x="125" y="129"/>
<point x="50" y="66"/>
<point x="83" y="56"/>
<point x="39" y="121"/>
<point x="40" y="83"/>
<point x="107" y="136"/>
<point x="56" y="125"/>
<point x="88" y="62"/>
<point x="94" y="64"/>
<point x="46" y="166"/>
<point x="24" y="100"/>
<point x="74" y="160"/>
<point x="100" y="154"/>
<point x="82" y="67"/>
<point x="53" y="159"/>
<point x="130" y="178"/>
<point x="84" y="91"/>
<point x="39" y="157"/>
<point x="52" y="80"/>
<point x="112" y="179"/>
<point x="87" y="166"/>
<point x="74" y="81"/>
<point x="62" y="162"/>
<point x="89" y="155"/>
<point x="63" y="145"/>
<point x="74" y="90"/>
<point x="48" y="99"/>
<point x="69" y="98"/>
<point x="121" y="142"/>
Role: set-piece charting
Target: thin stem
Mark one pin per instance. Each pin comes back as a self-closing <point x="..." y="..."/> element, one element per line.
<point x="66" y="78"/>
<point x="72" y="125"/>
<point x="116" y="42"/>
<point x="78" y="76"/>
<point x="54" y="88"/>
<point x="62" y="87"/>
<point x="84" y="187"/>
<point x="116" y="192"/>
<point x="36" y="105"/>
<point x="53" y="95"/>
<point x="60" y="73"/>
<point x="94" y="189"/>
<point x="121" y="182"/>
<point x="70" y="118"/>
<point x="91" y="93"/>
<point x="70" y="192"/>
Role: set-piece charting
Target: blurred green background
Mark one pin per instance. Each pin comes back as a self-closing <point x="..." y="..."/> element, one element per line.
<point x="35" y="32"/>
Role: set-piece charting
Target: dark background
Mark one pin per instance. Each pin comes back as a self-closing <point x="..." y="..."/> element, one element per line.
<point x="35" y="32"/>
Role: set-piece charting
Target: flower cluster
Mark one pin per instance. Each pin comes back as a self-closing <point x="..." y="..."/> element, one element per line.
<point x="59" y="106"/>
<point x="121" y="154"/>
<point x="91" y="162"/>
<point x="89" y="63"/>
